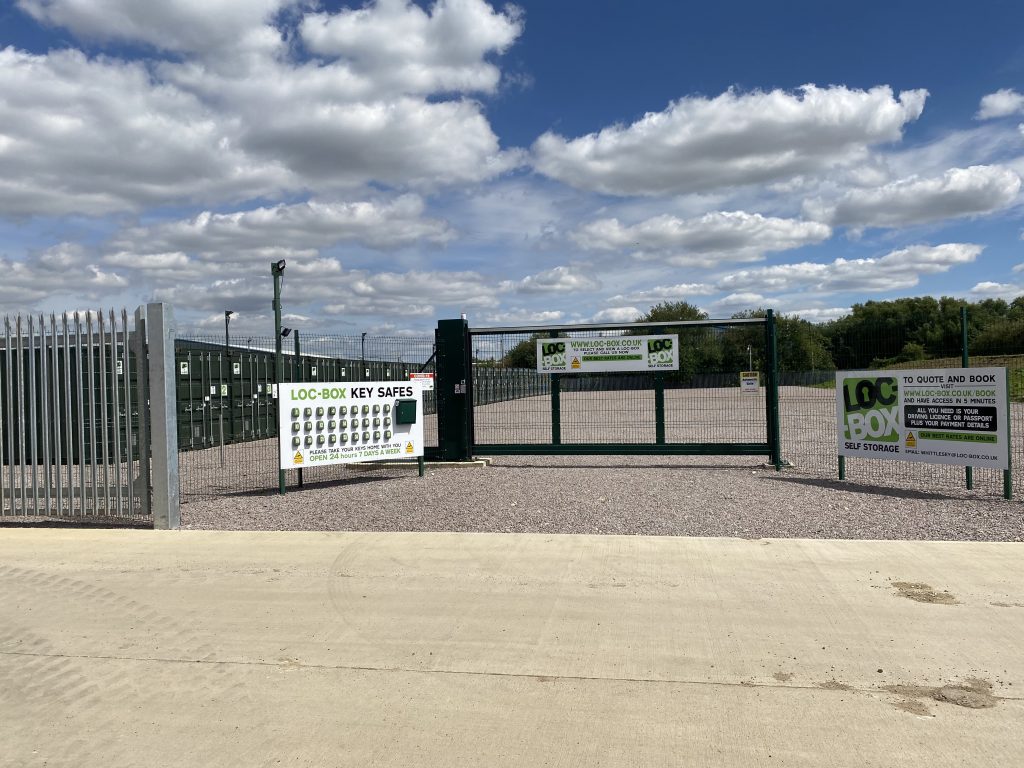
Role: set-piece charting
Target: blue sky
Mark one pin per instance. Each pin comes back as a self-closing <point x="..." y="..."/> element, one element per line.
<point x="539" y="162"/>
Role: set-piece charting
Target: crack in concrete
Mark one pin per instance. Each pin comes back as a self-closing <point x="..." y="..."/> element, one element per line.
<point x="546" y="678"/>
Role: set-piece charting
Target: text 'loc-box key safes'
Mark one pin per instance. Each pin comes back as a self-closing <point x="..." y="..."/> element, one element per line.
<point x="384" y="422"/>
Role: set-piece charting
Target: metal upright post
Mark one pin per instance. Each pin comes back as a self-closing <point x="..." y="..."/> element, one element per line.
<point x="965" y="362"/>
<point x="1008" y="472"/>
<point x="276" y="268"/>
<point x="773" y="392"/>
<point x="659" y="408"/>
<point x="231" y="378"/>
<point x="161" y="331"/>
<point x="556" y="404"/>
<point x="220" y="409"/>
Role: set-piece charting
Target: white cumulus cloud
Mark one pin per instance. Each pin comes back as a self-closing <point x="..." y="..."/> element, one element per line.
<point x="818" y="314"/>
<point x="399" y="45"/>
<point x="523" y="316"/>
<point x="562" y="279"/>
<point x="699" y="144"/>
<point x="232" y="114"/>
<point x="991" y="290"/>
<point x="705" y="240"/>
<point x="617" y="315"/>
<point x="1002" y="103"/>
<point x="896" y="270"/>
<point x="43" y="275"/>
<point x="300" y="226"/>
<point x="169" y="25"/>
<point x="959" y="192"/>
<point x="662" y="293"/>
<point x="736" y="302"/>
<point x="96" y="136"/>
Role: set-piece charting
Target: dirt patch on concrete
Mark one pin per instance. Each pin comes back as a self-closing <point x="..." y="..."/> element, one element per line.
<point x="1008" y="605"/>
<point x="923" y="593"/>
<point x="914" y="707"/>
<point x="835" y="685"/>
<point x="972" y="693"/>
<point x="910" y="691"/>
<point x="783" y="677"/>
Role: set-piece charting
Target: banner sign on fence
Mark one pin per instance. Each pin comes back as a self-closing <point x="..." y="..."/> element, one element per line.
<point x="938" y="416"/>
<point x="608" y="354"/>
<point x="345" y="422"/>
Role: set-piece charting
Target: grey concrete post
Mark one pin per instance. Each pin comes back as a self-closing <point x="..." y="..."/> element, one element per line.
<point x="161" y="330"/>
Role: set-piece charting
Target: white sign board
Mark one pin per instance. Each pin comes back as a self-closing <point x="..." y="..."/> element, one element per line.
<point x="608" y="354"/>
<point x="750" y="382"/>
<point x="345" y="422"/>
<point x="938" y="416"/>
<point x="426" y="380"/>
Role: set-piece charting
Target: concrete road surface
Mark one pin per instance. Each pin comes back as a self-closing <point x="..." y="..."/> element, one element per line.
<point x="146" y="648"/>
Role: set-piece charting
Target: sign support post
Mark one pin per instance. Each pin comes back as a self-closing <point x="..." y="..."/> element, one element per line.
<point x="966" y="363"/>
<point x="276" y="268"/>
<point x="1008" y="472"/>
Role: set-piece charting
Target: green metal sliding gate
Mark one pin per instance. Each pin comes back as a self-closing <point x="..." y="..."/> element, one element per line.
<point x="493" y="401"/>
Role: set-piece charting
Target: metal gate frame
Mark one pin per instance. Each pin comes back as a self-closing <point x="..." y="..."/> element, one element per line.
<point x="456" y="435"/>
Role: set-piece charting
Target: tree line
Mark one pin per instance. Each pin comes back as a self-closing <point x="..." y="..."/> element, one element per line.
<point x="875" y="334"/>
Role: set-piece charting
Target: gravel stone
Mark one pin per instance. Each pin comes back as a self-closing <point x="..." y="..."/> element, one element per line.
<point x="673" y="496"/>
<point x="652" y="495"/>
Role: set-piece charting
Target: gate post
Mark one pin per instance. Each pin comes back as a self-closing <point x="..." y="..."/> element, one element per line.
<point x="161" y="330"/>
<point x="774" y="437"/>
<point x="454" y="390"/>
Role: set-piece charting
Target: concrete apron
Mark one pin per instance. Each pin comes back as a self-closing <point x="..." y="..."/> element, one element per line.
<point x="122" y="648"/>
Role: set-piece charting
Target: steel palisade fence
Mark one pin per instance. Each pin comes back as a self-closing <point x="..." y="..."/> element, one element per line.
<point x="78" y="433"/>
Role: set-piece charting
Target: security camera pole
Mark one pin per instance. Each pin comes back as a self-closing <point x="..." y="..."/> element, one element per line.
<point x="276" y="270"/>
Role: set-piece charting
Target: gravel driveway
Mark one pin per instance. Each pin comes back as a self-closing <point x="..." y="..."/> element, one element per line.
<point x="659" y="495"/>
<point x="684" y="496"/>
